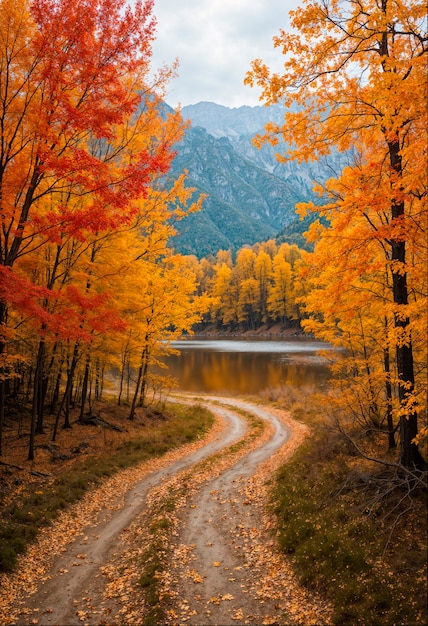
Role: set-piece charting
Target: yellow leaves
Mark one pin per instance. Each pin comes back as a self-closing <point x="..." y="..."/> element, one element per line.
<point x="197" y="578"/>
<point x="228" y="596"/>
<point x="82" y="615"/>
<point x="421" y="436"/>
<point x="215" y="600"/>
<point x="221" y="598"/>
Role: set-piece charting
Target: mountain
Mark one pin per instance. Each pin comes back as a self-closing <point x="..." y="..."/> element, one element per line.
<point x="245" y="202"/>
<point x="250" y="196"/>
<point x="221" y="121"/>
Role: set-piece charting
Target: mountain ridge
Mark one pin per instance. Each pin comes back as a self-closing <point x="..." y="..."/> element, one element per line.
<point x="251" y="197"/>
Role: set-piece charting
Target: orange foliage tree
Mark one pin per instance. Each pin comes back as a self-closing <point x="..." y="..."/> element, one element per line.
<point x="83" y="144"/>
<point x="357" y="72"/>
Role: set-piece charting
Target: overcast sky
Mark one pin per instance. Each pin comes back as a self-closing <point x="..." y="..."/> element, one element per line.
<point x="215" y="42"/>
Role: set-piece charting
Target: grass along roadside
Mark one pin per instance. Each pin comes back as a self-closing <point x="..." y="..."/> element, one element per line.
<point x="35" y="505"/>
<point x="372" y="571"/>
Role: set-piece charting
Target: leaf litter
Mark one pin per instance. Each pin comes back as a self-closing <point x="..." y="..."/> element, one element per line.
<point x="262" y="575"/>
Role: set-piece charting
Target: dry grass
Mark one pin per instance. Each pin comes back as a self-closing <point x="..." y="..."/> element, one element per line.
<point x="354" y="530"/>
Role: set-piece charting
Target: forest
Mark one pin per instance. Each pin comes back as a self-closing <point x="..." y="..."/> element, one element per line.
<point x="89" y="281"/>
<point x="88" y="209"/>
<point x="87" y="212"/>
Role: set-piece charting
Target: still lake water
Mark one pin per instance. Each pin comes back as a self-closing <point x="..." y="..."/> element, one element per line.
<point x="247" y="366"/>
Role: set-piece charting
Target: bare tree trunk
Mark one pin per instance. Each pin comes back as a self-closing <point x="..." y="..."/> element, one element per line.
<point x="36" y="401"/>
<point x="84" y="389"/>
<point x="40" y="387"/>
<point x="136" y="393"/>
<point x="65" y="402"/>
<point x="410" y="455"/>
<point x="55" y="394"/>
<point x="2" y="403"/>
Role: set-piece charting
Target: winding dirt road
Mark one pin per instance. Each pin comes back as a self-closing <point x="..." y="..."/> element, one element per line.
<point x="224" y="568"/>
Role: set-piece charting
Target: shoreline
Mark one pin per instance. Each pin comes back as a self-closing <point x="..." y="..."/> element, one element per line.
<point x="263" y="332"/>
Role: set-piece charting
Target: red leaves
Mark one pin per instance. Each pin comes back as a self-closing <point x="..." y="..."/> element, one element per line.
<point x="83" y="153"/>
<point x="87" y="47"/>
<point x="17" y="291"/>
<point x="69" y="314"/>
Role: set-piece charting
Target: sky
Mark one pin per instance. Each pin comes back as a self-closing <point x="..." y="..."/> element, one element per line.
<point x="215" y="42"/>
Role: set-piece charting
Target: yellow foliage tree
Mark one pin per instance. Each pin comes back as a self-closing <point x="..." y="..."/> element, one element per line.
<point x="357" y="72"/>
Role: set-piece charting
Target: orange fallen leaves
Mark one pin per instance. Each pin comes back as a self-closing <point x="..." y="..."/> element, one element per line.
<point x="197" y="578"/>
<point x="264" y="572"/>
<point x="238" y="615"/>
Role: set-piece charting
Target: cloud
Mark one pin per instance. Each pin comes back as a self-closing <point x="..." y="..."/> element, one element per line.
<point x="215" y="42"/>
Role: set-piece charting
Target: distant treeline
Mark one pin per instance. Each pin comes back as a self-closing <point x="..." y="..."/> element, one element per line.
<point x="259" y="286"/>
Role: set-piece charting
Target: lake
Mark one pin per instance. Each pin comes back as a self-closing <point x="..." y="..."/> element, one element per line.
<point x="247" y="366"/>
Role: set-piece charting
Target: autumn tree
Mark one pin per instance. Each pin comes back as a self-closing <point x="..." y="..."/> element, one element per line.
<point x="225" y="296"/>
<point x="82" y="140"/>
<point x="357" y="73"/>
<point x="254" y="289"/>
<point x="279" y="299"/>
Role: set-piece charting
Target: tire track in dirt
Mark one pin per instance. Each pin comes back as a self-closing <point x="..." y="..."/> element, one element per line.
<point x="228" y="554"/>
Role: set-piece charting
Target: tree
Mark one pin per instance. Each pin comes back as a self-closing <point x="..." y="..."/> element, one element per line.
<point x="280" y="290"/>
<point x="83" y="143"/>
<point x="224" y="307"/>
<point x="263" y="274"/>
<point x="357" y="71"/>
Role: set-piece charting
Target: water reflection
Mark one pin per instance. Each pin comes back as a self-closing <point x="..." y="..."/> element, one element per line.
<point x="247" y="367"/>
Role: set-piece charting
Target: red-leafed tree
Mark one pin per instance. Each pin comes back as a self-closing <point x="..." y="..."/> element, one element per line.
<point x="73" y="77"/>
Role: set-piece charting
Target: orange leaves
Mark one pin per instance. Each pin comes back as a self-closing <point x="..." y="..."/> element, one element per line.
<point x="360" y="86"/>
<point x="328" y="41"/>
<point x="84" y="209"/>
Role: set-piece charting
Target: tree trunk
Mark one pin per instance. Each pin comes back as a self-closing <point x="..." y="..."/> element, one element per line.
<point x="84" y="389"/>
<point x="40" y="386"/>
<point x="36" y="401"/>
<point x="410" y="455"/>
<point x="388" y="390"/>
<point x="136" y="392"/>
<point x="144" y="380"/>
<point x="65" y="402"/>
<point x="55" y="394"/>
<point x="2" y="374"/>
<point x="2" y="391"/>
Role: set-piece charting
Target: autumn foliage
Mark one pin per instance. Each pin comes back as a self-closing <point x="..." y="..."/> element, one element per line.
<point x="356" y="74"/>
<point x="257" y="286"/>
<point x="86" y="207"/>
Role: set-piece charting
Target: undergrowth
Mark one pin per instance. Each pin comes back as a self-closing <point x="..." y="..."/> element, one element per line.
<point x="371" y="569"/>
<point x="36" y="507"/>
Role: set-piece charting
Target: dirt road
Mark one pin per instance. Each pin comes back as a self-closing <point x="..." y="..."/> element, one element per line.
<point x="223" y="566"/>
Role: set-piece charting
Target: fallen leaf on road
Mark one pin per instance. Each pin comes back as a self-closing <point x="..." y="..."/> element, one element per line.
<point x="197" y="578"/>
<point x="238" y="615"/>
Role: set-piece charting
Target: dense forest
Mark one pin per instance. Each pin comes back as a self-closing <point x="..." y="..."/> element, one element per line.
<point x="93" y="294"/>
<point x="258" y="286"/>
<point x="88" y="279"/>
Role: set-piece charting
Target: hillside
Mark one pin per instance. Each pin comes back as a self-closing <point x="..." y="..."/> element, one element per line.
<point x="250" y="196"/>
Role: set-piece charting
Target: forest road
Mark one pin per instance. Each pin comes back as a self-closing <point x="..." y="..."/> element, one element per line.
<point x="223" y="566"/>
